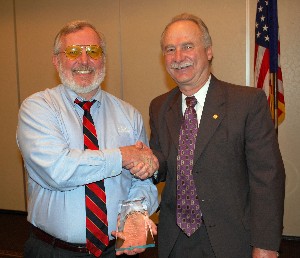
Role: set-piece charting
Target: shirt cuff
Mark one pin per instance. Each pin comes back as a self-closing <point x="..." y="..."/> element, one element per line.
<point x="113" y="159"/>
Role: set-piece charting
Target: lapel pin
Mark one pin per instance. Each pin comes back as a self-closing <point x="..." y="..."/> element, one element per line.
<point x="215" y="116"/>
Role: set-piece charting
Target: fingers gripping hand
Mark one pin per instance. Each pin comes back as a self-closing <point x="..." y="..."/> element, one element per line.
<point x="140" y="160"/>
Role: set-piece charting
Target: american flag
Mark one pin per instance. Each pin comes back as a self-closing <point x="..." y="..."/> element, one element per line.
<point x="267" y="54"/>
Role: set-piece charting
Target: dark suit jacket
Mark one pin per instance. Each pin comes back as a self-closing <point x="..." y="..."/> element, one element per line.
<point x="238" y="169"/>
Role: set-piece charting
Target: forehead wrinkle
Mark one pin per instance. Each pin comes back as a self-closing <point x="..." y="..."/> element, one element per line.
<point x="183" y="31"/>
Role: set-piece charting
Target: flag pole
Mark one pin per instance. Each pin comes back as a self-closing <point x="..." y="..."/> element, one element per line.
<point x="275" y="101"/>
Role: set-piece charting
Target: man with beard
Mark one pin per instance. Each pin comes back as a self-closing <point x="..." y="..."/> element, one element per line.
<point x="63" y="164"/>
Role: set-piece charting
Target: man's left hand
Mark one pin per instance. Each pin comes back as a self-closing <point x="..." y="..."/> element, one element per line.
<point x="262" y="253"/>
<point x="134" y="233"/>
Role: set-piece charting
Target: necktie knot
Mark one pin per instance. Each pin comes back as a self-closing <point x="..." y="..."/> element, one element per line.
<point x="85" y="105"/>
<point x="191" y="101"/>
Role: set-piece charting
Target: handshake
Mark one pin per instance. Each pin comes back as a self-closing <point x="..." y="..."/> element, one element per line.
<point x="139" y="159"/>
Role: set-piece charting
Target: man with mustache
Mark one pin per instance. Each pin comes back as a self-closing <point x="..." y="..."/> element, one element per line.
<point x="218" y="155"/>
<point x="71" y="175"/>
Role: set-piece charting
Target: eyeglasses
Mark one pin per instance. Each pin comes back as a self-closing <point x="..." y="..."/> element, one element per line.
<point x="74" y="51"/>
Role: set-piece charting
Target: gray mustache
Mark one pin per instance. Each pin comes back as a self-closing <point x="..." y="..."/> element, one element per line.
<point x="181" y="65"/>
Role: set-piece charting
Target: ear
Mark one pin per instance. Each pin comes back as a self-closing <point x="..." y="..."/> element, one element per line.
<point x="55" y="61"/>
<point x="209" y="53"/>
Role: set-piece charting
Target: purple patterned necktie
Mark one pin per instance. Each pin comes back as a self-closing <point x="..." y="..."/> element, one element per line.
<point x="188" y="208"/>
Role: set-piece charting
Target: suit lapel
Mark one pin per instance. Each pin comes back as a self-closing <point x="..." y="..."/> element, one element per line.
<point x="212" y="115"/>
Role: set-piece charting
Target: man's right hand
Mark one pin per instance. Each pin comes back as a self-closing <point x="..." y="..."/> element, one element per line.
<point x="139" y="159"/>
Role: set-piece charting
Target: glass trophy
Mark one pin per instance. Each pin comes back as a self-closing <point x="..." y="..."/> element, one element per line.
<point x="133" y="230"/>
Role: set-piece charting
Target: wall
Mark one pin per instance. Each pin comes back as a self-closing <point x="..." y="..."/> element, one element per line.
<point x="135" y="70"/>
<point x="11" y="169"/>
<point x="289" y="130"/>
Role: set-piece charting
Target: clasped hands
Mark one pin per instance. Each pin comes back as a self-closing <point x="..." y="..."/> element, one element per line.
<point x="139" y="160"/>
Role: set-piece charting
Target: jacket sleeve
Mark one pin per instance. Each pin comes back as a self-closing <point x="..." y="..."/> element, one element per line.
<point x="266" y="176"/>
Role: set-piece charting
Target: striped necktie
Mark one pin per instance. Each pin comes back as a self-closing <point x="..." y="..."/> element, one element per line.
<point x="95" y="198"/>
<point x="188" y="208"/>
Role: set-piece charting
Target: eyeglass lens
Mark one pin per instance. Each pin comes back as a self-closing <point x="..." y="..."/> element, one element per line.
<point x="74" y="51"/>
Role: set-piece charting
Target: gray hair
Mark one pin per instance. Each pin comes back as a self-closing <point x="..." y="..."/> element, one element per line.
<point x="205" y="38"/>
<point x="74" y="26"/>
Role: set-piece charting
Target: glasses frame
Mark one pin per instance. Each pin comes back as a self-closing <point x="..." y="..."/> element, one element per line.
<point x="88" y="51"/>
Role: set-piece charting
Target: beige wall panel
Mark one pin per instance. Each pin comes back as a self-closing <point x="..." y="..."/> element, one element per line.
<point x="37" y="25"/>
<point x="289" y="138"/>
<point x="11" y="168"/>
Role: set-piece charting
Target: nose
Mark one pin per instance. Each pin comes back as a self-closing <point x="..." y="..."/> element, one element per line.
<point x="83" y="58"/>
<point x="178" y="55"/>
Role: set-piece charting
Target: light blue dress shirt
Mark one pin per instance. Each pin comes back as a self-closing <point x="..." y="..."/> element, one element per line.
<point x="50" y="138"/>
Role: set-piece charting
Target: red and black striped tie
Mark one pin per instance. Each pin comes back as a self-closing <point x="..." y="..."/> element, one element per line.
<point x="95" y="198"/>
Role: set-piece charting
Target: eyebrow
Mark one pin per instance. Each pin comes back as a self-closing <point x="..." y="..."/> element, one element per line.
<point x="182" y="44"/>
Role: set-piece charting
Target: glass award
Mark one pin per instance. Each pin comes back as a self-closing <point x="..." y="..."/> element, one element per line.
<point x="133" y="230"/>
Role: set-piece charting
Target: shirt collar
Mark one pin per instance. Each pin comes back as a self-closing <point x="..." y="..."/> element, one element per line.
<point x="72" y="95"/>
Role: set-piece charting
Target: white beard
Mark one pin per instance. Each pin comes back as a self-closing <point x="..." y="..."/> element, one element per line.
<point x="69" y="81"/>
